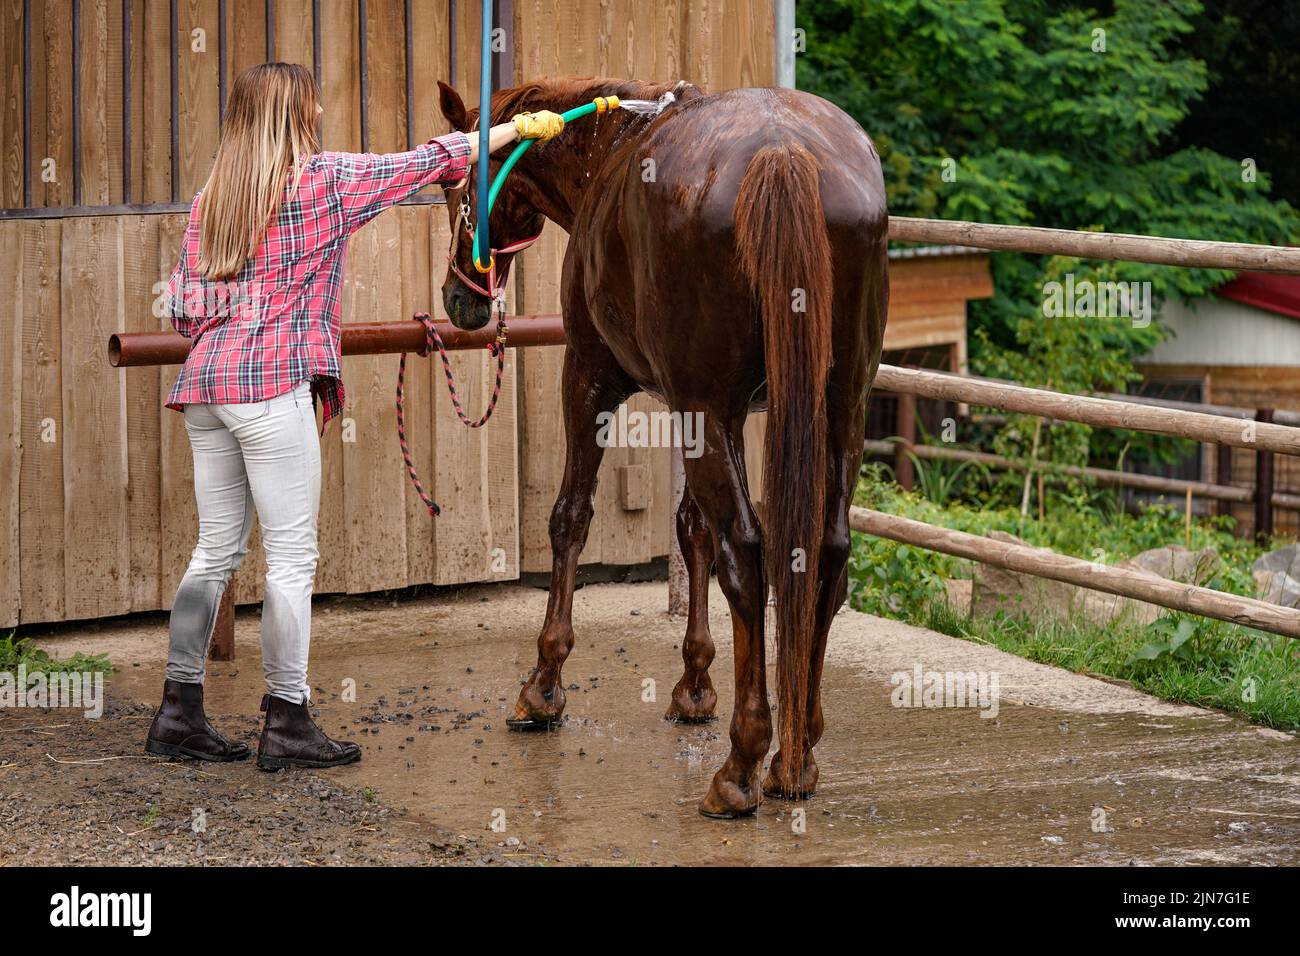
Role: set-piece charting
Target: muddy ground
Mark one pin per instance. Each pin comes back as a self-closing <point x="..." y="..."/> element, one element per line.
<point x="1071" y="770"/>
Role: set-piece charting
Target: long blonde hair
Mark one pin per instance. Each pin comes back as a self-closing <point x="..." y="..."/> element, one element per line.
<point x="269" y="130"/>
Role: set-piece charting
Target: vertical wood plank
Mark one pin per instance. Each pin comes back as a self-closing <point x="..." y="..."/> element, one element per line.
<point x="153" y="135"/>
<point x="341" y="130"/>
<point x="178" y="516"/>
<point x="625" y="535"/>
<point x="41" y="477"/>
<point x="136" y="77"/>
<point x="502" y="453"/>
<point x="199" y="93"/>
<point x="52" y="114"/>
<point x="95" y="523"/>
<point x="541" y="449"/>
<point x="293" y="41"/>
<point x="11" y="370"/>
<point x="11" y="103"/>
<point x="101" y="101"/>
<point x="143" y="413"/>
<point x="373" y="493"/>
<point x="418" y="291"/>
<point x="459" y="479"/>
<point x="246" y="34"/>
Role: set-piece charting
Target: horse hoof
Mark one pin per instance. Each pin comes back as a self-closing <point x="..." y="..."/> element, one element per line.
<point x="727" y="801"/>
<point x="537" y="710"/>
<point x="693" y="706"/>
<point x="532" y="723"/>
<point x="775" y="786"/>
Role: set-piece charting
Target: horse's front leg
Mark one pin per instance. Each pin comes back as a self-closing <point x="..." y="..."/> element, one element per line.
<point x="589" y="388"/>
<point x="694" y="699"/>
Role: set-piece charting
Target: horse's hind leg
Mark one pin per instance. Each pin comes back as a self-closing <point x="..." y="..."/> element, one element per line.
<point x="846" y="449"/>
<point x="589" y="388"/>
<point x="717" y="482"/>
<point x="694" y="699"/>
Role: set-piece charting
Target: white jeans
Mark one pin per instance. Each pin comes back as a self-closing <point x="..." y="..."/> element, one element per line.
<point x="263" y="455"/>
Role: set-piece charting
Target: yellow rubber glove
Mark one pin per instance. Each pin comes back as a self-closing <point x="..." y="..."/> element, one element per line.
<point x="541" y="126"/>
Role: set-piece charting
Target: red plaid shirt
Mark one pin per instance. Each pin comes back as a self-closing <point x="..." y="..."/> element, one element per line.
<point x="277" y="322"/>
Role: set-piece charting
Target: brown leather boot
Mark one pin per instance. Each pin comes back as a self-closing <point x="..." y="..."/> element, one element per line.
<point x="292" y="739"/>
<point x="180" y="728"/>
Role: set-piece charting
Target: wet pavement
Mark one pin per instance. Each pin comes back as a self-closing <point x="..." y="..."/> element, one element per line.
<point x="1071" y="770"/>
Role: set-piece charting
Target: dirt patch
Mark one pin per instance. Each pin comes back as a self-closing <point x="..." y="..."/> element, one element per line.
<point x="82" y="792"/>
<point x="1070" y="770"/>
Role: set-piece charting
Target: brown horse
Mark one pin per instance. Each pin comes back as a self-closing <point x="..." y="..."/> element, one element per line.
<point x="726" y="254"/>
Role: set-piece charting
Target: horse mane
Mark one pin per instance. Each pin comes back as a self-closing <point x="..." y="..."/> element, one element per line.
<point x="562" y="92"/>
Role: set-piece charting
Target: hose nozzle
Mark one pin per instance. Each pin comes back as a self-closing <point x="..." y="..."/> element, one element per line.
<point x="605" y="103"/>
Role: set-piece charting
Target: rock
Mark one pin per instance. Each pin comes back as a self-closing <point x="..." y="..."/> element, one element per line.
<point x="1176" y="563"/>
<point x="1277" y="575"/>
<point x="959" y="592"/>
<point x="996" y="589"/>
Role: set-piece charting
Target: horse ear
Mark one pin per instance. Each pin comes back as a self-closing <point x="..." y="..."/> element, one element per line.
<point x="453" y="107"/>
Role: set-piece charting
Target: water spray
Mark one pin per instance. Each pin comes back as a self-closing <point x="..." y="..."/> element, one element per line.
<point x="488" y="199"/>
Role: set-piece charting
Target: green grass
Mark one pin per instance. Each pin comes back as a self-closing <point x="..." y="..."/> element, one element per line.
<point x="1180" y="658"/>
<point x="1228" y="667"/>
<point x="21" y="651"/>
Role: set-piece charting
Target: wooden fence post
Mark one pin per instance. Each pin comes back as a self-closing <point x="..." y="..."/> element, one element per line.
<point x="904" y="467"/>
<point x="1223" y="476"/>
<point x="1263" y="487"/>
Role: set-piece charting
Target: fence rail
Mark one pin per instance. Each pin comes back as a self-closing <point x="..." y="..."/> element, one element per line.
<point x="1156" y="250"/>
<point x="1042" y="563"/>
<point x="1103" y="476"/>
<point x="1101" y="412"/>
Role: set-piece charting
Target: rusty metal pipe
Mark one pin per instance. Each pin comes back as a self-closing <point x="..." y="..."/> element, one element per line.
<point x="134" y="349"/>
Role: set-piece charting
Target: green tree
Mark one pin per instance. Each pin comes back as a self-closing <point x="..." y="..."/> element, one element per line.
<point x="1048" y="113"/>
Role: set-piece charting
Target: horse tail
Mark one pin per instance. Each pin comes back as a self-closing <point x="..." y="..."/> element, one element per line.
<point x="785" y="252"/>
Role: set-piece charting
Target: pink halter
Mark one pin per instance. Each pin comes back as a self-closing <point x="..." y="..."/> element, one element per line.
<point x="493" y="291"/>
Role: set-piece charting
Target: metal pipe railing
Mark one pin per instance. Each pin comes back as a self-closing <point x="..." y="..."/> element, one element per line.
<point x="134" y="349"/>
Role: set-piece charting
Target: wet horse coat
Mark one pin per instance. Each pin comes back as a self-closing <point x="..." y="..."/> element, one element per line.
<point x="724" y="255"/>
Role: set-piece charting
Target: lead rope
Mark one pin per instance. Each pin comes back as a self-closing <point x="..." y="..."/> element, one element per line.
<point x="433" y="339"/>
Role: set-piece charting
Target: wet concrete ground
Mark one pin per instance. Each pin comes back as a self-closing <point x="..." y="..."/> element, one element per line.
<point x="1072" y="770"/>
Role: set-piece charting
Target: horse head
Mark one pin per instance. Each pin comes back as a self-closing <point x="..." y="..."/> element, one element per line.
<point x="465" y="290"/>
<point x="548" y="182"/>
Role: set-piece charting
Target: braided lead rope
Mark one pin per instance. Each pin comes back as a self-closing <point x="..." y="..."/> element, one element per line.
<point x="432" y="338"/>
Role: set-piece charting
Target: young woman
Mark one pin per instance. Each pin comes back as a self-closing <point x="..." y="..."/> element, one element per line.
<point x="257" y="290"/>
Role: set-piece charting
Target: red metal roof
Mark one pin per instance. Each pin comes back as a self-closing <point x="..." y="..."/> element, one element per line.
<point x="1263" y="290"/>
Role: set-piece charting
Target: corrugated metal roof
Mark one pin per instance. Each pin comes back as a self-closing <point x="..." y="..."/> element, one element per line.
<point x="1274" y="293"/>
<point x="921" y="252"/>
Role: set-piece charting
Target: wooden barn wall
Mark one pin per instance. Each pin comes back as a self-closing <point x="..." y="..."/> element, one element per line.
<point x="716" y="44"/>
<point x="96" y="503"/>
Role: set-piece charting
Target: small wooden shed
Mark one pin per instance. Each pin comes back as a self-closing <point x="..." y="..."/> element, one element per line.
<point x="1239" y="348"/>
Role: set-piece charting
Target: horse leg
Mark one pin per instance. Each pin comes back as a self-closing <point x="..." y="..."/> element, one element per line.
<point x="717" y="482"/>
<point x="694" y="698"/>
<point x="589" y="388"/>
<point x="831" y="593"/>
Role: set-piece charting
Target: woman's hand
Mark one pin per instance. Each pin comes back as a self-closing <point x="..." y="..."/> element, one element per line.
<point x="541" y="126"/>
